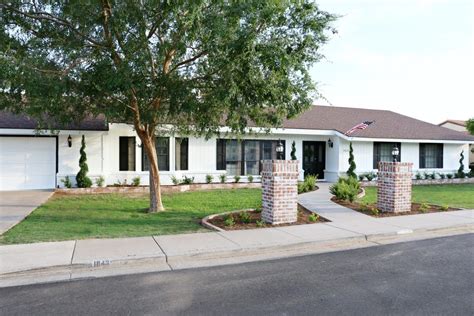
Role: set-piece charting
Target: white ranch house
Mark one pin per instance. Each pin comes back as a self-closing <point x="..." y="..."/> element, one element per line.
<point x="28" y="161"/>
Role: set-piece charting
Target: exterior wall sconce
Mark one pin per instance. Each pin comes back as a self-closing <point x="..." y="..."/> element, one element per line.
<point x="330" y="143"/>
<point x="395" y="153"/>
<point x="279" y="149"/>
<point x="69" y="141"/>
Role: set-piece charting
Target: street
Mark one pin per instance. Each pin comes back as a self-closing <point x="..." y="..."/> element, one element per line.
<point x="434" y="276"/>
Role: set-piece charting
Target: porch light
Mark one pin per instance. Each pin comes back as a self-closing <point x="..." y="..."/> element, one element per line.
<point x="279" y="150"/>
<point x="330" y="143"/>
<point x="69" y="141"/>
<point x="395" y="153"/>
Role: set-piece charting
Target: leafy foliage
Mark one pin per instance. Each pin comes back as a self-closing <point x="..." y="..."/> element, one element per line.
<point x="136" y="181"/>
<point x="250" y="178"/>
<point x="293" y="151"/>
<point x="460" y="172"/>
<point x="187" y="180"/>
<point x="309" y="184"/>
<point x="209" y="178"/>
<point x="470" y="126"/>
<point x="100" y="181"/>
<point x="67" y="182"/>
<point x="223" y="178"/>
<point x="82" y="180"/>
<point x="352" y="165"/>
<point x="345" y="189"/>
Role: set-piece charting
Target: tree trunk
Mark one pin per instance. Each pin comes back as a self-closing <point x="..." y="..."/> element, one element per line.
<point x="148" y="143"/>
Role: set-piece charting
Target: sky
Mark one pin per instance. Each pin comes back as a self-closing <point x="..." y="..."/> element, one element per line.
<point x="414" y="57"/>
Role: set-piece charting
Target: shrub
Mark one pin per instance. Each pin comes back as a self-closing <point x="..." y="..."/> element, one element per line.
<point x="345" y="189"/>
<point x="442" y="175"/>
<point x="370" y="176"/>
<point x="426" y="176"/>
<point x="450" y="175"/>
<point x="432" y="175"/>
<point x="471" y="173"/>
<point x="209" y="178"/>
<point x="187" y="180"/>
<point x="82" y="180"/>
<point x="136" y="181"/>
<point x="423" y="207"/>
<point x="364" y="207"/>
<point x="244" y="217"/>
<point x="223" y="178"/>
<point x="100" y="181"/>
<point x="361" y="177"/>
<point x="310" y="182"/>
<point x="302" y="187"/>
<point x="236" y="179"/>
<point x="250" y="178"/>
<point x="293" y="151"/>
<point x="260" y="223"/>
<point x="258" y="210"/>
<point x="67" y="182"/>
<point x="418" y="176"/>
<point x="352" y="165"/>
<point x="229" y="220"/>
<point x="374" y="211"/>
<point x="313" y="217"/>
<point x="175" y="180"/>
<point x="460" y="173"/>
<point x="445" y="207"/>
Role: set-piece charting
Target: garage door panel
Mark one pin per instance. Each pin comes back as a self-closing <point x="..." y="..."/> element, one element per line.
<point x="27" y="163"/>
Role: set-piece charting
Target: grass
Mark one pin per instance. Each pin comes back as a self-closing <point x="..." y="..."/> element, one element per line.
<point x="459" y="195"/>
<point x="66" y="217"/>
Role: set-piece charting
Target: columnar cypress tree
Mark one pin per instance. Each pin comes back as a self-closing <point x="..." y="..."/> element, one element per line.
<point x="352" y="164"/>
<point x="461" y="166"/>
<point x="293" y="151"/>
<point x="82" y="180"/>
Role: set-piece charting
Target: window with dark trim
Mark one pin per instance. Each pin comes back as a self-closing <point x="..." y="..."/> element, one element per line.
<point x="181" y="153"/>
<point x="244" y="157"/>
<point x="431" y="156"/>
<point x="383" y="152"/>
<point x="162" y="145"/>
<point x="127" y="153"/>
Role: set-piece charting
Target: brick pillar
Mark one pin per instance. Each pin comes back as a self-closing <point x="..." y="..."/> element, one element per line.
<point x="394" y="186"/>
<point x="279" y="191"/>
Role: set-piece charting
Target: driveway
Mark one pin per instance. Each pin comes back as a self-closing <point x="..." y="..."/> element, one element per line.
<point x="16" y="205"/>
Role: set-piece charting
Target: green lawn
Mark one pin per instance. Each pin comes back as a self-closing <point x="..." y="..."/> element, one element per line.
<point x="66" y="217"/>
<point x="458" y="195"/>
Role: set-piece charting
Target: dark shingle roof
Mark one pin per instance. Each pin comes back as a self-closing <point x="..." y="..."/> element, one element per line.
<point x="387" y="124"/>
<point x="19" y="121"/>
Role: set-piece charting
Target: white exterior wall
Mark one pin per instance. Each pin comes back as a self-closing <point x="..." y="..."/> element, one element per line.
<point x="460" y="128"/>
<point x="102" y="150"/>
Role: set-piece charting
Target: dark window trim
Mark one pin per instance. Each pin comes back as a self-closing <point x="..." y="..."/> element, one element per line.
<point x="184" y="160"/>
<point x="439" y="156"/>
<point x="376" y="154"/>
<point x="121" y="168"/>
<point x="157" y="156"/>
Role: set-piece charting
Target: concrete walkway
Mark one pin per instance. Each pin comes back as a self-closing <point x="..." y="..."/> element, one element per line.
<point x="16" y="205"/>
<point x="53" y="261"/>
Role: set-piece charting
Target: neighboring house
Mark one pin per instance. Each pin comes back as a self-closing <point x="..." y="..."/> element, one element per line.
<point x="114" y="150"/>
<point x="460" y="126"/>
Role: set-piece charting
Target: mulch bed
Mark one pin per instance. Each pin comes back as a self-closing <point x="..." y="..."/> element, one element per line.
<point x="303" y="218"/>
<point x="368" y="209"/>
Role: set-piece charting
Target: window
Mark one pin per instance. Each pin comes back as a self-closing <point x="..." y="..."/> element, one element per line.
<point x="431" y="156"/>
<point x="162" y="145"/>
<point x="181" y="153"/>
<point x="383" y="152"/>
<point x="244" y="157"/>
<point x="127" y="153"/>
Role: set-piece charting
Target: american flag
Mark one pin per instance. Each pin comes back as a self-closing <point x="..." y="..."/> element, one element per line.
<point x="362" y="126"/>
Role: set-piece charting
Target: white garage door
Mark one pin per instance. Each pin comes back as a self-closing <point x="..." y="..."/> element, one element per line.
<point x="27" y="163"/>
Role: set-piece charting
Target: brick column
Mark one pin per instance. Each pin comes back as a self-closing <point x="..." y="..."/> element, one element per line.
<point x="394" y="186"/>
<point x="279" y="191"/>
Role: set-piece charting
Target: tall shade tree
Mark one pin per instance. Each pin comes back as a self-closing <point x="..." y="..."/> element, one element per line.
<point x="470" y="126"/>
<point x="166" y="67"/>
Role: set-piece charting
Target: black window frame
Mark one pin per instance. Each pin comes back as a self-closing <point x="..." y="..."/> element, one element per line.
<point x="145" y="166"/>
<point x="183" y="143"/>
<point x="377" y="153"/>
<point x="221" y="153"/>
<point x="124" y="154"/>
<point x="439" y="155"/>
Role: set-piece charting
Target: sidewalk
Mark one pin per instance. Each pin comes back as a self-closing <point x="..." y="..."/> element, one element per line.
<point x="67" y="260"/>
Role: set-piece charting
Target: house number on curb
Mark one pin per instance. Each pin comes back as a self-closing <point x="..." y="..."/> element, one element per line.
<point x="102" y="262"/>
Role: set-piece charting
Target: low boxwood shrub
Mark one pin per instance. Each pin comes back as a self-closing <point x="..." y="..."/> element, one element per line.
<point x="250" y="178"/>
<point x="209" y="178"/>
<point x="136" y="181"/>
<point x="345" y="189"/>
<point x="187" y="180"/>
<point x="223" y="178"/>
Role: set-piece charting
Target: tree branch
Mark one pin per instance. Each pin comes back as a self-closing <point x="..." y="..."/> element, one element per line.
<point x="187" y="61"/>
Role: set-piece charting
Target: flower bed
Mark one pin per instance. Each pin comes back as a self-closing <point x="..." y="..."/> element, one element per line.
<point x="251" y="219"/>
<point x="164" y="188"/>
<point x="371" y="208"/>
<point x="426" y="182"/>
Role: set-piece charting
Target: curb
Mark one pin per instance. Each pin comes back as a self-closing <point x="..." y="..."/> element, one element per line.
<point x="206" y="259"/>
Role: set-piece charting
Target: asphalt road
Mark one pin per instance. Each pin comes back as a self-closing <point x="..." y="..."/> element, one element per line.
<point x="428" y="277"/>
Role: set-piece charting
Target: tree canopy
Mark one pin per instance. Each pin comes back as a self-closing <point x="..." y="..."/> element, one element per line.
<point x="192" y="65"/>
<point x="470" y="126"/>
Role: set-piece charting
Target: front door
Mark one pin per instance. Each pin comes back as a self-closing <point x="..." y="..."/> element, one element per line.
<point x="314" y="158"/>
